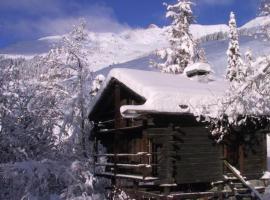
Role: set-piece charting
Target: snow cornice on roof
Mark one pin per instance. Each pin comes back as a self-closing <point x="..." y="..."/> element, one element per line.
<point x="165" y="93"/>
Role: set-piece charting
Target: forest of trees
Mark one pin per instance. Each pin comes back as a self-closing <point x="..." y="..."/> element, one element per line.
<point x="44" y="131"/>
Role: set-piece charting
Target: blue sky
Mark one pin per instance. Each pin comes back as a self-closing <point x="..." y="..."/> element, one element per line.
<point x="22" y="20"/>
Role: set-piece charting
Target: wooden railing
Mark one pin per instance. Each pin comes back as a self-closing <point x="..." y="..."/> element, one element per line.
<point x="116" y="165"/>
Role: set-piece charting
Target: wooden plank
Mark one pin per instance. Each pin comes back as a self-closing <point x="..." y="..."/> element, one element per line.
<point x="122" y="130"/>
<point x="242" y="180"/>
<point x="128" y="176"/>
<point x="126" y="165"/>
<point x="125" y="154"/>
<point x="241" y="158"/>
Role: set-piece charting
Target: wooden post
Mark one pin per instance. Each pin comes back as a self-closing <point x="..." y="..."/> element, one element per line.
<point x="264" y="141"/>
<point x="225" y="154"/>
<point x="241" y="158"/>
<point x="220" y="189"/>
<point x="114" y="170"/>
<point x="95" y="154"/>
<point x="117" y="124"/>
<point x="117" y="102"/>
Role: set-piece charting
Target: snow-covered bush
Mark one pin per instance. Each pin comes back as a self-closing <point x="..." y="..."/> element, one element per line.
<point x="23" y="134"/>
<point x="47" y="179"/>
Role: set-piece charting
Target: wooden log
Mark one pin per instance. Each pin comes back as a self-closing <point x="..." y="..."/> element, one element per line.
<point x="242" y="180"/>
<point x="127" y="165"/>
<point x="128" y="176"/>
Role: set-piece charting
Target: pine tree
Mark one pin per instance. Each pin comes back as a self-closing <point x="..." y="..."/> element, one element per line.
<point x="181" y="52"/>
<point x="234" y="69"/>
<point x="201" y="55"/>
<point x="264" y="8"/>
<point x="249" y="60"/>
<point x="264" y="11"/>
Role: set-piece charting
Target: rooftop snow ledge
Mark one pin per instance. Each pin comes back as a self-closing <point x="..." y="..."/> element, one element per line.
<point x="166" y="93"/>
<point x="198" y="69"/>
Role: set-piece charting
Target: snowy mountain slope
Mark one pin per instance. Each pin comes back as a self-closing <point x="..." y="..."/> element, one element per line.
<point x="256" y="23"/>
<point x="255" y="26"/>
<point x="215" y="52"/>
<point x="111" y="48"/>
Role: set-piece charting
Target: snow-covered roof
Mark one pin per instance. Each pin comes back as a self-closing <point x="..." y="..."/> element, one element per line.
<point x="165" y="93"/>
<point x="198" y="67"/>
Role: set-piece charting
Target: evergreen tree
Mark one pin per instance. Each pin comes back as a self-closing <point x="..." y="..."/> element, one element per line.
<point x="249" y="60"/>
<point x="264" y="11"/>
<point x="264" y="8"/>
<point x="234" y="69"/>
<point x="181" y="52"/>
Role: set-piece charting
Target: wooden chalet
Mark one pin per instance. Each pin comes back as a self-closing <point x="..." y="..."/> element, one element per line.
<point x="155" y="147"/>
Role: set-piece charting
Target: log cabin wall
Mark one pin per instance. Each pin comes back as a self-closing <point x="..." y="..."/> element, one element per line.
<point x="255" y="157"/>
<point x="249" y="156"/>
<point x="185" y="151"/>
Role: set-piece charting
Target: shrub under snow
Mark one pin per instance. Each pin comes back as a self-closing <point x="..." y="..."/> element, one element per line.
<point x="49" y="180"/>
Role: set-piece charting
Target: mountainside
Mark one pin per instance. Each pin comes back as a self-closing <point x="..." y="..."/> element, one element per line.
<point x="215" y="52"/>
<point x="112" y="48"/>
<point x="134" y="48"/>
<point x="254" y="26"/>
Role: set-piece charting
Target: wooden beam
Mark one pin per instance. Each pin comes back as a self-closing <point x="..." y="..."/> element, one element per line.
<point x="243" y="181"/>
<point x="117" y="105"/>
<point x="128" y="176"/>
<point x="123" y="130"/>
<point x="127" y="154"/>
<point x="241" y="159"/>
<point x="127" y="165"/>
<point x="188" y="195"/>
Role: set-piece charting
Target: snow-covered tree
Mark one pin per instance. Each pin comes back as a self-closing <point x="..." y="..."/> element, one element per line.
<point x="244" y="107"/>
<point x="264" y="11"/>
<point x="201" y="55"/>
<point x="68" y="78"/>
<point x="235" y="63"/>
<point x="248" y="66"/>
<point x="264" y="8"/>
<point x="23" y="134"/>
<point x="40" y="100"/>
<point x="181" y="52"/>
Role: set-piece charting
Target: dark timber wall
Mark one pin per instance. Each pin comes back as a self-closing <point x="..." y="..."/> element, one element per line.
<point x="185" y="153"/>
